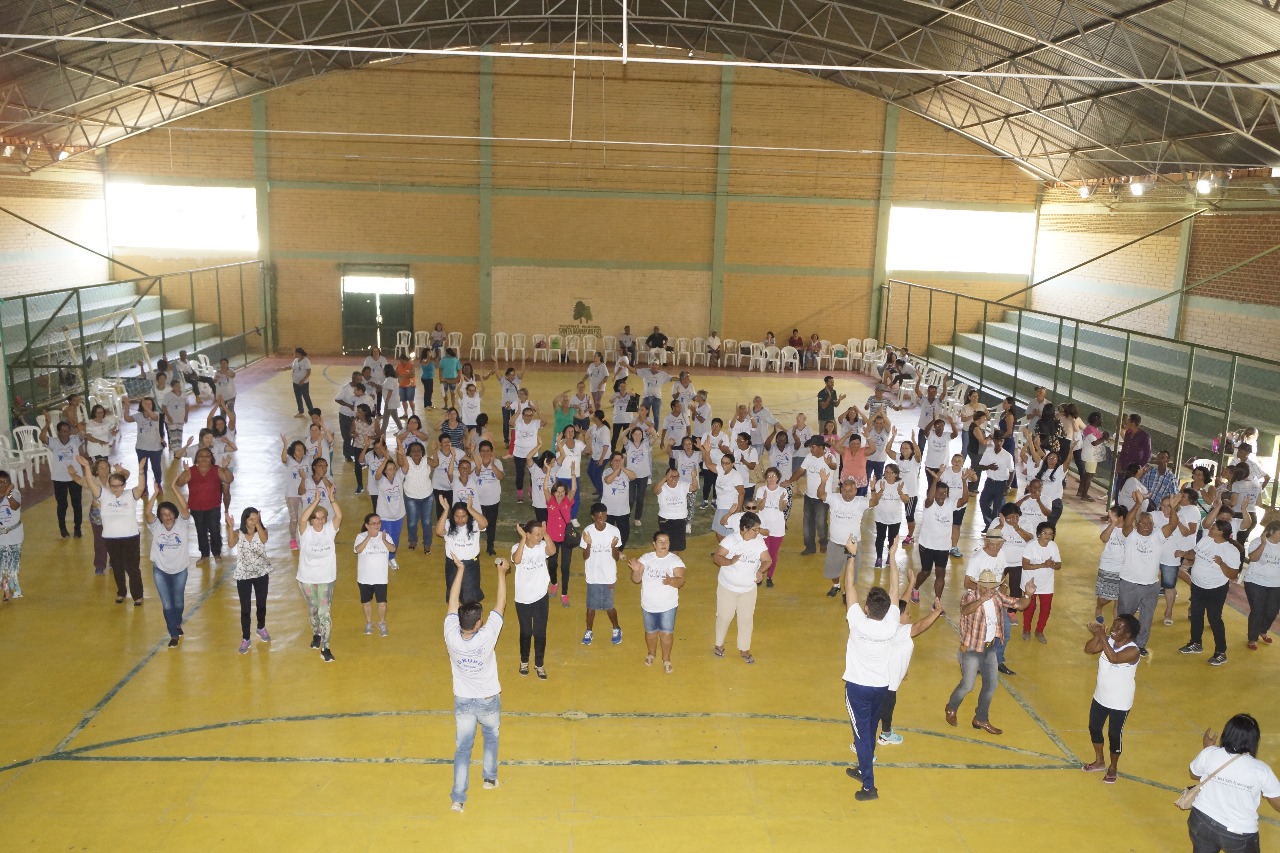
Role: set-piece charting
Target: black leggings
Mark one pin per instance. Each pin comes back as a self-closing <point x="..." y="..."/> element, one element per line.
<point x="1209" y="602"/>
<point x="639" y="486"/>
<point x="126" y="559"/>
<point x="1098" y="714"/>
<point x="708" y="484"/>
<point x="886" y="711"/>
<point x="490" y="515"/>
<point x="623" y="523"/>
<point x="883" y="532"/>
<point x="533" y="628"/>
<point x="247" y="588"/>
<point x="70" y="492"/>
<point x="521" y="463"/>
<point x="1264" y="605"/>
<point x="208" y="531"/>
<point x="558" y="566"/>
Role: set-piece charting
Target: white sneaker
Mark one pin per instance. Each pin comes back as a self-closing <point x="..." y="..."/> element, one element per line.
<point x="456" y="807"/>
<point x="490" y="784"/>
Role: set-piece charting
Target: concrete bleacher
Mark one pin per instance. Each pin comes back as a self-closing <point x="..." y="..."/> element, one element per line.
<point x="1086" y="366"/>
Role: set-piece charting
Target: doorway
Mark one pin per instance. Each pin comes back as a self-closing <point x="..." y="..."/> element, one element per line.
<point x="377" y="302"/>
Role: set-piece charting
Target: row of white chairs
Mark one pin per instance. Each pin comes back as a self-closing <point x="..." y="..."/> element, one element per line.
<point x="854" y="354"/>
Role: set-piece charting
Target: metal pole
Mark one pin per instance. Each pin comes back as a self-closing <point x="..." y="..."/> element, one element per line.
<point x="955" y="329"/>
<point x="82" y="368"/>
<point x="1075" y="350"/>
<point x="222" y="333"/>
<point x="906" y="328"/>
<point x="31" y="368"/>
<point x="982" y="356"/>
<point x="164" y="338"/>
<point x="1057" y="361"/>
<point x="928" y="337"/>
<point x="1017" y="352"/>
<point x="244" y="325"/>
<point x="1226" y="414"/>
<point x="1124" y="390"/>
<point x="191" y="288"/>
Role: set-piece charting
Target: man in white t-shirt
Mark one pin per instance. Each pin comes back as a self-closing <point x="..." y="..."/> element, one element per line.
<point x="653" y="382"/>
<point x="844" y="525"/>
<point x="816" y="465"/>
<point x="998" y="465"/>
<point x="1140" y="572"/>
<point x="477" y="695"/>
<point x="867" y="658"/>
<point x="900" y="650"/>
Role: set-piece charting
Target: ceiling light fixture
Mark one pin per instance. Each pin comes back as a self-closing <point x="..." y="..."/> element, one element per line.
<point x="1085" y="191"/>
<point x="1137" y="187"/>
<point x="1204" y="186"/>
<point x="8" y="151"/>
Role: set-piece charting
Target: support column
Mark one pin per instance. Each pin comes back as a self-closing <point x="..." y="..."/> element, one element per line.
<point x="485" y="283"/>
<point x="1180" y="279"/>
<point x="724" y="139"/>
<point x="262" y="205"/>
<point x="888" y="162"/>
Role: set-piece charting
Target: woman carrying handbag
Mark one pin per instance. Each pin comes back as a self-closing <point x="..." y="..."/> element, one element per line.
<point x="1231" y="782"/>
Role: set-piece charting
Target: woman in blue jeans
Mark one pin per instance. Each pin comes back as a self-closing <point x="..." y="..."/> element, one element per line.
<point x="417" y="492"/>
<point x="148" y="442"/>
<point x="171" y="535"/>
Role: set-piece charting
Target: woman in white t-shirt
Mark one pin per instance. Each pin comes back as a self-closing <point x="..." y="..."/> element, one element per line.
<point x="774" y="500"/>
<point x="660" y="575"/>
<point x="743" y="559"/>
<point x="525" y="440"/>
<point x="687" y="460"/>
<point x="460" y="526"/>
<point x="718" y="442"/>
<point x="418" y="491"/>
<point x="529" y="558"/>
<point x="617" y="482"/>
<point x="391" y="503"/>
<point x="373" y="549"/>
<point x="1041" y="561"/>
<point x="569" y="450"/>
<point x="730" y="492"/>
<point x="469" y="406"/>
<point x="100" y="432"/>
<point x="171" y="537"/>
<point x="625" y="405"/>
<point x="121" y="534"/>
<point x="1262" y="584"/>
<point x="639" y="453"/>
<point x="888" y="497"/>
<point x="1107" y="587"/>
<point x="907" y="458"/>
<point x="148" y="442"/>
<point x="1233" y="783"/>
<point x="11" y="537"/>
<point x="318" y="565"/>
<point x="293" y="456"/>
<point x="1217" y="563"/>
<point x="672" y="494"/>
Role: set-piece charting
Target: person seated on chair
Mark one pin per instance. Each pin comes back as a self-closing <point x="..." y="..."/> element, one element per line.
<point x="796" y="340"/>
<point x="713" y="348"/>
<point x="657" y="340"/>
<point x="811" y="354"/>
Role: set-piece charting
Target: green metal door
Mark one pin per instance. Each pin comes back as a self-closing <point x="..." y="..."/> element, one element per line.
<point x="377" y="302"/>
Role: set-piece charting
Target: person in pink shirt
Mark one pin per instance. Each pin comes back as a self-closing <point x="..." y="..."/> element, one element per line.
<point x="853" y="460"/>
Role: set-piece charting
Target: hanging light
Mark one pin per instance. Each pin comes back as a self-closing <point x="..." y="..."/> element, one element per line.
<point x="62" y="154"/>
<point x="1204" y="186"/>
<point x="1085" y="191"/>
<point x="7" y="151"/>
<point x="1137" y="187"/>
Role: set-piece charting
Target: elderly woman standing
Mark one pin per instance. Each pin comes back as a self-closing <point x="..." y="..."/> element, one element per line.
<point x="318" y="565"/>
<point x="170" y="527"/>
<point x="1232" y="784"/>
<point x="120" y="531"/>
<point x="253" y="570"/>
<point x="205" y="482"/>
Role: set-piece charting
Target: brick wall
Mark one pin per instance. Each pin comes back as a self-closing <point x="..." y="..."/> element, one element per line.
<point x="801" y="225"/>
<point x="1220" y="242"/>
<point x="67" y="202"/>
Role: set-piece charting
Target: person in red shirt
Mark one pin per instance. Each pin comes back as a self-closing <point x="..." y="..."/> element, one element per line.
<point x="205" y="482"/>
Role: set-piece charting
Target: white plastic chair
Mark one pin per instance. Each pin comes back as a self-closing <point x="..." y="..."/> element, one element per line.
<point x="573" y="347"/>
<point x="657" y="355"/>
<point x="772" y="358"/>
<point x="870" y="358"/>
<point x="757" y="358"/>
<point x="541" y="347"/>
<point x="421" y="341"/>
<point x="15" y="463"/>
<point x="729" y="352"/>
<point x="610" y="348"/>
<point x="477" y="346"/>
<point x="555" y="344"/>
<point x="789" y="356"/>
<point x="517" y="345"/>
<point x="404" y="342"/>
<point x="841" y="354"/>
<point x="682" y="351"/>
<point x="700" y="352"/>
<point x="500" y="346"/>
<point x="27" y="440"/>
<point x="588" y="347"/>
<point x="454" y="341"/>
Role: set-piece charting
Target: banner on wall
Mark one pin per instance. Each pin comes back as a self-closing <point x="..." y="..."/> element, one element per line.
<point x="572" y="301"/>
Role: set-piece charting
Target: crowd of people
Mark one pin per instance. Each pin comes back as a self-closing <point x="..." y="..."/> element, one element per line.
<point x="624" y="432"/>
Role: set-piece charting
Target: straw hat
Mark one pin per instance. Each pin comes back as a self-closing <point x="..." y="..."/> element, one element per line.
<point x="988" y="578"/>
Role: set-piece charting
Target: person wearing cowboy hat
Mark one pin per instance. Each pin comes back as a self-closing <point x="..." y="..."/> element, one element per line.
<point x="982" y="626"/>
<point x="991" y="557"/>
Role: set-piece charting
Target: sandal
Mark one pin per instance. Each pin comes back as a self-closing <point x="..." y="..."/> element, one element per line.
<point x="746" y="656"/>
<point x="666" y="666"/>
<point x="1110" y="778"/>
<point x="719" y="651"/>
<point x="648" y="660"/>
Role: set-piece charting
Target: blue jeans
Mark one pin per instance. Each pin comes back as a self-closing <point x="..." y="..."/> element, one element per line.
<point x="595" y="473"/>
<point x="466" y="713"/>
<point x="172" y="590"/>
<point x="863" y="704"/>
<point x="151" y="457"/>
<point x="875" y="470"/>
<point x="1002" y="644"/>
<point x="418" y="511"/>
<point x="991" y="499"/>
<point x="391" y="527"/>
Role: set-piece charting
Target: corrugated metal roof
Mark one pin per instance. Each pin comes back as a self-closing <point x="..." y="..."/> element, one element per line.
<point x="56" y="92"/>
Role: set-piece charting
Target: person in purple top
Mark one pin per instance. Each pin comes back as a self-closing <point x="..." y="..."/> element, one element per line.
<point x="1135" y="447"/>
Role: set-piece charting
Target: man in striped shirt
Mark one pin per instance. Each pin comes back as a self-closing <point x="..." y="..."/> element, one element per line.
<point x="1160" y="481"/>
<point x="982" y="624"/>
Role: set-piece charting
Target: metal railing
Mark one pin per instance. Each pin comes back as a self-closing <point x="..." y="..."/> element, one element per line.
<point x="1195" y="398"/>
<point x="56" y="342"/>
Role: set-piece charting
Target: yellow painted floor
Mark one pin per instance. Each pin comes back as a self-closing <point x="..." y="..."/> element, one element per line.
<point x="111" y="741"/>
